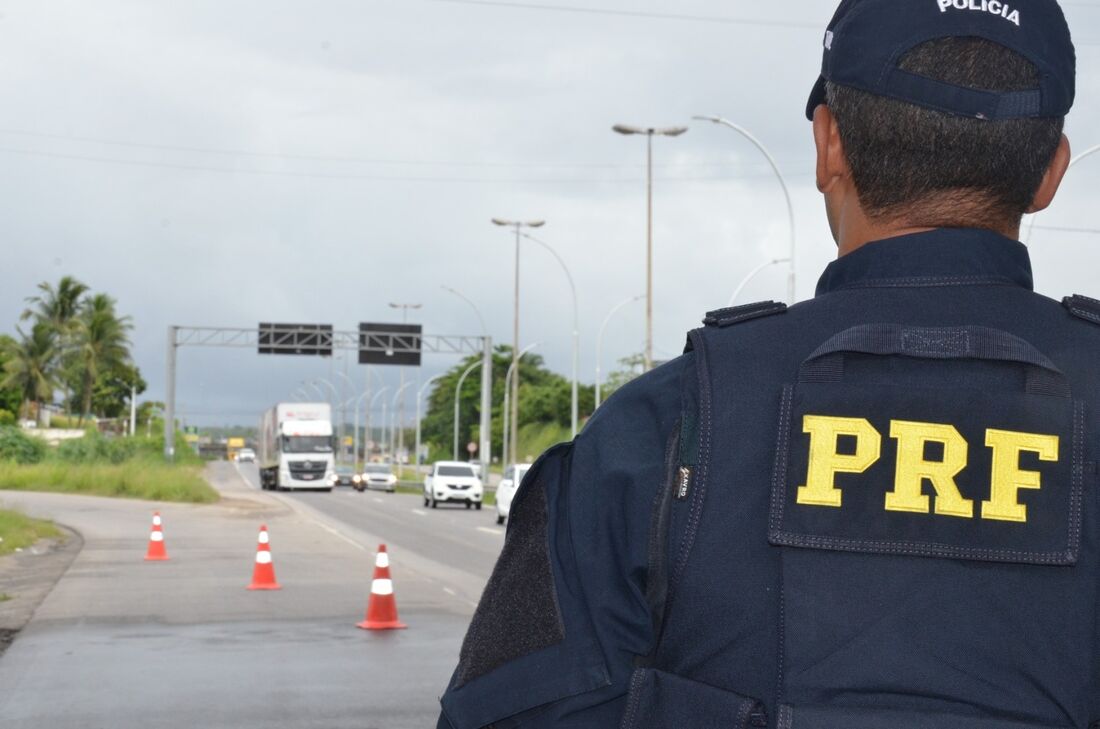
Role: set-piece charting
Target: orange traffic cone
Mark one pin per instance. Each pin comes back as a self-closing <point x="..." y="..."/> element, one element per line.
<point x="263" y="574"/>
<point x="156" y="551"/>
<point x="382" y="608"/>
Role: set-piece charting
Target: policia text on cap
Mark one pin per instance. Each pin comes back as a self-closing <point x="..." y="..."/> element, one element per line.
<point x="879" y="508"/>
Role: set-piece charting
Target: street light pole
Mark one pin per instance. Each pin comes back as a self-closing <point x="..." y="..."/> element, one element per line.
<point x="791" y="257"/>
<point x="575" y="407"/>
<point x="393" y="420"/>
<point x="332" y="403"/>
<point x="649" y="133"/>
<point x="599" y="343"/>
<point x="370" y="409"/>
<point x="752" y="274"/>
<point x="517" y="226"/>
<point x="485" y="447"/>
<point x="354" y="398"/>
<point x="419" y="400"/>
<point x="458" y="392"/>
<point x="509" y="441"/>
<point x="405" y="320"/>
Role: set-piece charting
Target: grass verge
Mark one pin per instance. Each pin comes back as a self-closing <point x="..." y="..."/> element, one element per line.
<point x="137" y="479"/>
<point x="18" y="531"/>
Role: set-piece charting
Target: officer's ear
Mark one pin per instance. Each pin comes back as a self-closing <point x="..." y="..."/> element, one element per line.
<point x="832" y="162"/>
<point x="1052" y="178"/>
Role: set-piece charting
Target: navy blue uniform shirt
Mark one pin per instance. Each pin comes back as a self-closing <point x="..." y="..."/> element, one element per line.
<point x="874" y="509"/>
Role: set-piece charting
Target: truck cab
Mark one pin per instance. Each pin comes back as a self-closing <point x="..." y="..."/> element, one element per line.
<point x="297" y="449"/>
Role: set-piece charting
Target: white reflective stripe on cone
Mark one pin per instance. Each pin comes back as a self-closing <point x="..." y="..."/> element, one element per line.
<point x="263" y="557"/>
<point x="382" y="587"/>
<point x="264" y="538"/>
<point x="156" y="520"/>
<point x="383" y="560"/>
<point x="156" y="537"/>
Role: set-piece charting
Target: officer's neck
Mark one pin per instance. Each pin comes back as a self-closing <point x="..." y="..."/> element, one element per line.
<point x="853" y="229"/>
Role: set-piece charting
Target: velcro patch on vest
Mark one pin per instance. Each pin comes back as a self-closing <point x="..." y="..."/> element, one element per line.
<point x="932" y="472"/>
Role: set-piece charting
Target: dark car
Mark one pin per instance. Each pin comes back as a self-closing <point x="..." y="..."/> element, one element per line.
<point x="344" y="475"/>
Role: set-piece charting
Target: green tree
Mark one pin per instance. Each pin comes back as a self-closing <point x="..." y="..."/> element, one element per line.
<point x="101" y="343"/>
<point x="10" y="397"/>
<point x="544" y="397"/>
<point x="58" y="308"/>
<point x="629" y="368"/>
<point x="113" y="389"/>
<point x="29" y="365"/>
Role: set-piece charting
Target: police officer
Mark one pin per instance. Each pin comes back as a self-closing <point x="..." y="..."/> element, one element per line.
<point x="875" y="510"/>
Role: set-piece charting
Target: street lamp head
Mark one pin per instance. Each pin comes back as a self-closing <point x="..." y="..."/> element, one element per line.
<point x="501" y="221"/>
<point x="671" y="131"/>
<point x="535" y="223"/>
<point x="628" y="130"/>
<point x="715" y="119"/>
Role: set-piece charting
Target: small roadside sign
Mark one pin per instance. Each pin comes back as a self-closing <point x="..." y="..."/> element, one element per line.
<point x="471" y="447"/>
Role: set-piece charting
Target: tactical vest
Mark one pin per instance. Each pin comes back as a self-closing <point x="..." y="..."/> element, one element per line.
<point x="881" y="513"/>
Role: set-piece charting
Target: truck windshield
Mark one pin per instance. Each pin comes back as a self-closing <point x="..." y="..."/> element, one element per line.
<point x="307" y="444"/>
<point x="456" y="471"/>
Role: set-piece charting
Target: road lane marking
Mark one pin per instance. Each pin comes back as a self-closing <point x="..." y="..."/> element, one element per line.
<point x="450" y="592"/>
<point x="378" y="500"/>
<point x="418" y="512"/>
<point x="490" y="530"/>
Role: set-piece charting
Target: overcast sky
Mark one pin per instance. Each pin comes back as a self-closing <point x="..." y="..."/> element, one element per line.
<point x="225" y="163"/>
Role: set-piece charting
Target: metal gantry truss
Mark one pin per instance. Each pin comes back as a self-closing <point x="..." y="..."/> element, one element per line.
<point x="289" y="338"/>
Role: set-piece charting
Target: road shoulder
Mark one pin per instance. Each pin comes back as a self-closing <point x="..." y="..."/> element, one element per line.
<point x="28" y="576"/>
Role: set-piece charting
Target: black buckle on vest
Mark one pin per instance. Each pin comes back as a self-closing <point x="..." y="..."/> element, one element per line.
<point x="722" y="318"/>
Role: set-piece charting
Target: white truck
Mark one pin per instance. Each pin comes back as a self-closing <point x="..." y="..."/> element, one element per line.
<point x="296" y="447"/>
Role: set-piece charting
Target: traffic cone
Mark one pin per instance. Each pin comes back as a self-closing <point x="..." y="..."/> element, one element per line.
<point x="263" y="574"/>
<point x="382" y="607"/>
<point x="156" y="551"/>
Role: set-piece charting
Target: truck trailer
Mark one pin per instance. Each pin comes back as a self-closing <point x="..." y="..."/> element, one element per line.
<point x="297" y="447"/>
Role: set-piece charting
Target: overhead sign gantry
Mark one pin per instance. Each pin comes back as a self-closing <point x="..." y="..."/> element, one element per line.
<point x="385" y="344"/>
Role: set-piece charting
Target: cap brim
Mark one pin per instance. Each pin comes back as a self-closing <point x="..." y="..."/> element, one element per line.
<point x="817" y="98"/>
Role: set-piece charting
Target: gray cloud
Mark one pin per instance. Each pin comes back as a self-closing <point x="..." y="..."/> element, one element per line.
<point x="386" y="134"/>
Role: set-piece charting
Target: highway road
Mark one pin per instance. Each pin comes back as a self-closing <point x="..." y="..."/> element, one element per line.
<point x="466" y="540"/>
<point x="127" y="644"/>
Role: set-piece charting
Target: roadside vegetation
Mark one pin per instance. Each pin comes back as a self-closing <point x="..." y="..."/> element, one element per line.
<point x="18" y="531"/>
<point x="72" y="352"/>
<point x="99" y="466"/>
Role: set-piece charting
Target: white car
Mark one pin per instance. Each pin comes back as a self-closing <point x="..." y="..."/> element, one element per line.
<point x="246" y="455"/>
<point x="506" y="491"/>
<point x="379" y="476"/>
<point x="452" y="481"/>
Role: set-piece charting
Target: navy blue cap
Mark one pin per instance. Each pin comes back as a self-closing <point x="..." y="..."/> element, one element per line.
<point x="867" y="38"/>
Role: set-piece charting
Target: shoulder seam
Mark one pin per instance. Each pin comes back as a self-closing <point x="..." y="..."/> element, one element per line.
<point x="722" y="318"/>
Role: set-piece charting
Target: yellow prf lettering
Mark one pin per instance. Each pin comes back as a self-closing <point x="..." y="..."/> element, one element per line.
<point x="1007" y="478"/>
<point x="826" y="463"/>
<point x="912" y="469"/>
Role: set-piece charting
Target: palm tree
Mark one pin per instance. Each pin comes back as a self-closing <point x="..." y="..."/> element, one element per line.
<point x="101" y="340"/>
<point x="29" y="365"/>
<point x="58" y="308"/>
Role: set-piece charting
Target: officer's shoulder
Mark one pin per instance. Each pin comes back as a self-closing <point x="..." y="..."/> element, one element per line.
<point x="652" y="400"/>
<point x="728" y="317"/>
<point x="1083" y="308"/>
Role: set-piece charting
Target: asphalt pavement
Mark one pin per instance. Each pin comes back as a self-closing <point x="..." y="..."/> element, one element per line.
<point x="123" y="643"/>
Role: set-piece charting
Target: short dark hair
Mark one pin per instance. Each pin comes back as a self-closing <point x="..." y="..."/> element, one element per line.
<point x="940" y="170"/>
